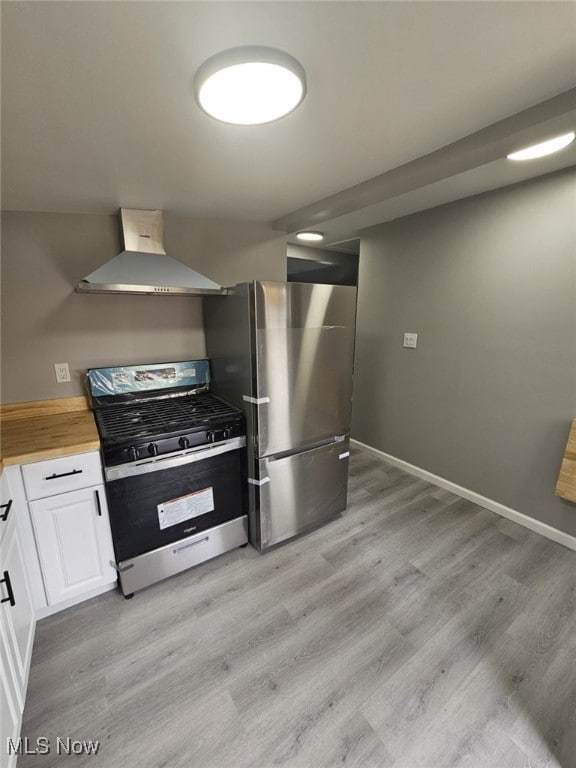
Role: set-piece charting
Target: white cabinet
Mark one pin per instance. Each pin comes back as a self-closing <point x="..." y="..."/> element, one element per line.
<point x="17" y="609"/>
<point x="17" y="623"/>
<point x="10" y="711"/>
<point x="74" y="543"/>
<point x="69" y="516"/>
<point x="20" y="513"/>
<point x="55" y="550"/>
<point x="65" y="531"/>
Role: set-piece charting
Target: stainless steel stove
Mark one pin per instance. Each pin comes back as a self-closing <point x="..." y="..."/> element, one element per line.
<point x="174" y="464"/>
<point x="163" y="423"/>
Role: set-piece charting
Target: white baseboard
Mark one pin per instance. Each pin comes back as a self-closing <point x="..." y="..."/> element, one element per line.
<point x="483" y="501"/>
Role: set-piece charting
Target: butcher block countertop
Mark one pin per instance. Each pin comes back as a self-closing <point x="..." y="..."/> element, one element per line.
<point x="566" y="486"/>
<point x="46" y="429"/>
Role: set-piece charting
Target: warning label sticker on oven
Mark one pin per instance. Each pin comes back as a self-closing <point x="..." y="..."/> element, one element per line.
<point x="185" y="508"/>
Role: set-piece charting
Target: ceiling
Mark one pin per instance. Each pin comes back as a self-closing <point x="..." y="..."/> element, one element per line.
<point x="409" y="105"/>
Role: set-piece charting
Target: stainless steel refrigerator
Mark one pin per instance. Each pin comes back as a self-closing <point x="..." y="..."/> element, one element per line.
<point x="284" y="353"/>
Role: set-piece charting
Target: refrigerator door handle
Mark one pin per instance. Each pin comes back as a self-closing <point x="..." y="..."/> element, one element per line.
<point x="307" y="449"/>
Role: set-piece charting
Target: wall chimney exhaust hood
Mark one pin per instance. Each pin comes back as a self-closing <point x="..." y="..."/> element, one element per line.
<point x="143" y="266"/>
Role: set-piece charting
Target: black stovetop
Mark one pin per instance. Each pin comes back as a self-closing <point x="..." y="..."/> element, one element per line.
<point x="157" y="417"/>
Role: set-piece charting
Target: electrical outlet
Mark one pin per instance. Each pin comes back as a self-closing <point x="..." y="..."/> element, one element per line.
<point x="62" y="372"/>
<point x="410" y="340"/>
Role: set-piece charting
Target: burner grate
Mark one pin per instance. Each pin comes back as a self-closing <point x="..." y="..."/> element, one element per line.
<point x="160" y="416"/>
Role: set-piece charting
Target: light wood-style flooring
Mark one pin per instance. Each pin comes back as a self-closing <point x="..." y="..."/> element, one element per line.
<point x="417" y="631"/>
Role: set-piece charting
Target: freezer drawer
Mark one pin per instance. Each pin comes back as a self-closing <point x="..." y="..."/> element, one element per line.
<point x="298" y="492"/>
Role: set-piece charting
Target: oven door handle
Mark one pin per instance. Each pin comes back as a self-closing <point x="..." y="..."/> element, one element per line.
<point x="174" y="460"/>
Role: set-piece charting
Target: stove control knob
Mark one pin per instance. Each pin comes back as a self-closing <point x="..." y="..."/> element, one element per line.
<point x="153" y="449"/>
<point x="226" y="432"/>
<point x="132" y="453"/>
<point x="184" y="442"/>
<point x="211" y="437"/>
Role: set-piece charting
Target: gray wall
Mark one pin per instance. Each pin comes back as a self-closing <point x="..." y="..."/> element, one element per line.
<point x="489" y="285"/>
<point x="44" y="321"/>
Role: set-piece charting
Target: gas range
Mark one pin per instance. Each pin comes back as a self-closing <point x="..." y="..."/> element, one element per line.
<point x="160" y="423"/>
<point x="174" y="465"/>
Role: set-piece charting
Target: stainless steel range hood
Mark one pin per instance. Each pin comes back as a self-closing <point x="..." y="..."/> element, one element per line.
<point x="143" y="266"/>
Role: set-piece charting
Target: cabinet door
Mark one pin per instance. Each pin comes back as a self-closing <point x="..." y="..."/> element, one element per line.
<point x="10" y="709"/>
<point x="17" y="610"/>
<point x="6" y="507"/>
<point x="74" y="542"/>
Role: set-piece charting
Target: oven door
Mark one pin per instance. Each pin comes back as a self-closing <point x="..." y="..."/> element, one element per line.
<point x="157" y="502"/>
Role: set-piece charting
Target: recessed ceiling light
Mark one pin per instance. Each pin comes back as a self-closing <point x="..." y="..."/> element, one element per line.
<point x="250" y="85"/>
<point x="310" y="236"/>
<point x="544" y="148"/>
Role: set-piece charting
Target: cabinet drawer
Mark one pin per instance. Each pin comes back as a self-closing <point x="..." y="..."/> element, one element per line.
<point x="69" y="473"/>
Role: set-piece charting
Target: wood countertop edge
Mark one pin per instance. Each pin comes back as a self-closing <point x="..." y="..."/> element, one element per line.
<point x="47" y="429"/>
<point x="39" y="408"/>
<point x="49" y="453"/>
<point x="566" y="485"/>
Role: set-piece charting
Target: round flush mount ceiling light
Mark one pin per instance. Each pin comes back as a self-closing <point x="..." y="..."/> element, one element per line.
<point x="250" y="85"/>
<point x="311" y="237"/>
<point x="544" y="148"/>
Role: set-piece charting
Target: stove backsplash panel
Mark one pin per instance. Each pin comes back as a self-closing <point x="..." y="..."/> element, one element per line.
<point x="142" y="378"/>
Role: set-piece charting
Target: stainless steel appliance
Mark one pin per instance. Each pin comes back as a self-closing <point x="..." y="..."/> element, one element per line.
<point x="283" y="352"/>
<point x="143" y="267"/>
<point x="174" y="465"/>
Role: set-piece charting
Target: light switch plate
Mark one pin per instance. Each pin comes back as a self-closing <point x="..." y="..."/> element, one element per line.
<point x="410" y="340"/>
